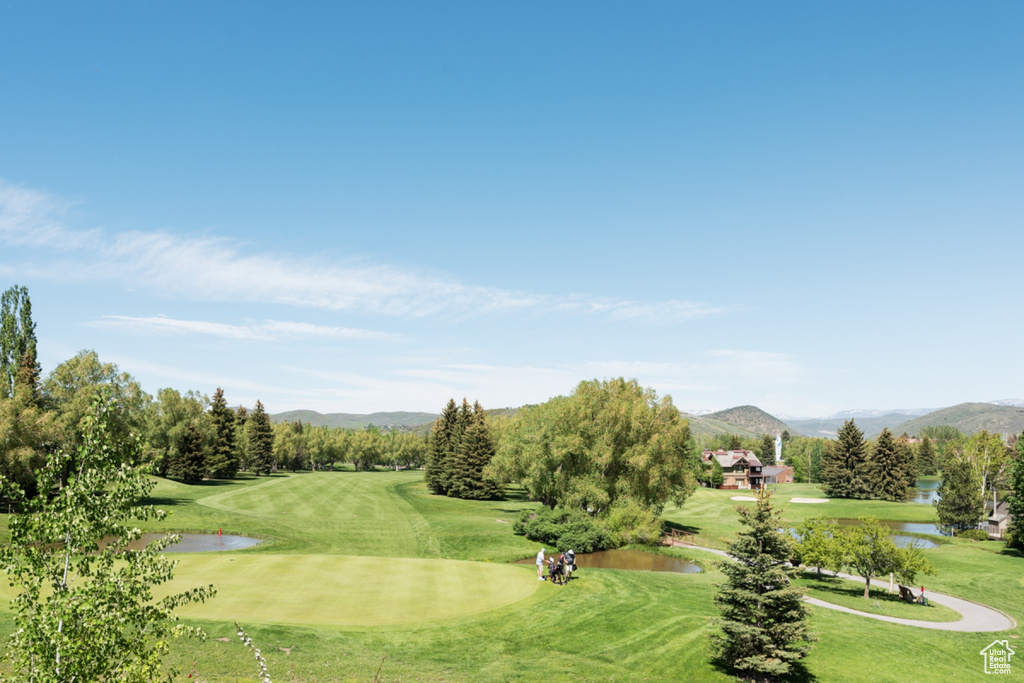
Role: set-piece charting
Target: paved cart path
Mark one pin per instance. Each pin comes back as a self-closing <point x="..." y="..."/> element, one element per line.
<point x="974" y="617"/>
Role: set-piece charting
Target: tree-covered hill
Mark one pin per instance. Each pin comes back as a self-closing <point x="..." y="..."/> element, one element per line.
<point x="969" y="418"/>
<point x="751" y="419"/>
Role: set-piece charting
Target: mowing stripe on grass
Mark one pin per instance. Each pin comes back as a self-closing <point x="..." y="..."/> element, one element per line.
<point x="348" y="591"/>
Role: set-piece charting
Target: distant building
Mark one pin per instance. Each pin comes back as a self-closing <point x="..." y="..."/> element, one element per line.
<point x="997" y="522"/>
<point x="740" y="469"/>
<point x="777" y="474"/>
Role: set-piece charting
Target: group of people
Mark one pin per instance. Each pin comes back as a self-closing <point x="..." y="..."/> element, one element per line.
<point x="559" y="570"/>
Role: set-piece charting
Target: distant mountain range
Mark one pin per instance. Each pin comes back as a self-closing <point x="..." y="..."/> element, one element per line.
<point x="1005" y="417"/>
<point x="354" y="420"/>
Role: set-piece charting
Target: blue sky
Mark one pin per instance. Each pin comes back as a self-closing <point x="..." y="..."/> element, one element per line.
<point x="351" y="207"/>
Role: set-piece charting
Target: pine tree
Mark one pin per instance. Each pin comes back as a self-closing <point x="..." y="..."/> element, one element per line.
<point x="767" y="454"/>
<point x="844" y="465"/>
<point x="908" y="456"/>
<point x="242" y="438"/>
<point x="261" y="440"/>
<point x="473" y="454"/>
<point x="191" y="464"/>
<point x="223" y="463"/>
<point x="960" y="506"/>
<point x="764" y="620"/>
<point x="734" y="443"/>
<point x="927" y="458"/>
<point x="441" y="450"/>
<point x="1015" y="499"/>
<point x="887" y="469"/>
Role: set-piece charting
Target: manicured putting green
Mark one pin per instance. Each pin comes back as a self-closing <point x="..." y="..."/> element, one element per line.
<point x="348" y="591"/>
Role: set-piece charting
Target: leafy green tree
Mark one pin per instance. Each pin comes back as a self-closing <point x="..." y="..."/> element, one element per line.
<point x="69" y="390"/>
<point x="843" y="469"/>
<point x="887" y="469"/>
<point x="607" y="440"/>
<point x="261" y="441"/>
<point x="223" y="462"/>
<point x="367" y="448"/>
<point x="242" y="438"/>
<point x="870" y="552"/>
<point x="167" y="418"/>
<point x="82" y="612"/>
<point x="819" y="544"/>
<point x="987" y="455"/>
<point x="764" y="621"/>
<point x="927" y="459"/>
<point x="711" y="474"/>
<point x="17" y="337"/>
<point x="473" y="454"/>
<point x="804" y="455"/>
<point x="1015" y="499"/>
<point x="960" y="505"/>
<point x="766" y="451"/>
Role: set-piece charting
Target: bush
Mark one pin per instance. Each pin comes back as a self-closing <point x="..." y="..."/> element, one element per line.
<point x="974" y="534"/>
<point x="628" y="522"/>
<point x="563" y="529"/>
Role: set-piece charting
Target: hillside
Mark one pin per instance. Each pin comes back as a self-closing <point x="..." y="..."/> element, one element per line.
<point x="969" y="418"/>
<point x="751" y="419"/>
<point x="827" y="427"/>
<point x="702" y="426"/>
<point x="354" y="421"/>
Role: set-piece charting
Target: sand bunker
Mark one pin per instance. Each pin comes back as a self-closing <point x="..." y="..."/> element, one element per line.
<point x="745" y="498"/>
<point x="809" y="500"/>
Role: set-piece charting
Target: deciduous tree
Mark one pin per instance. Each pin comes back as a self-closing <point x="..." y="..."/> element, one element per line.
<point x="17" y="336"/>
<point x="82" y="612"/>
<point x="607" y="440"/>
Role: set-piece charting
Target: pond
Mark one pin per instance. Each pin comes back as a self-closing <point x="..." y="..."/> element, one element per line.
<point x="911" y="527"/>
<point x="634" y="560"/>
<point x="926" y="493"/>
<point x="198" y="543"/>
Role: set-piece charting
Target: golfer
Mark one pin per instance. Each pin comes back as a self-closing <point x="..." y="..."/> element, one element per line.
<point x="540" y="565"/>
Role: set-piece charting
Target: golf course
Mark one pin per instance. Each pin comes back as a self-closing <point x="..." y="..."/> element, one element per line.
<point x="364" y="574"/>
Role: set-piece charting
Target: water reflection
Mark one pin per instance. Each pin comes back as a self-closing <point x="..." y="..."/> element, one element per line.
<point x="198" y="543"/>
<point x="926" y="492"/>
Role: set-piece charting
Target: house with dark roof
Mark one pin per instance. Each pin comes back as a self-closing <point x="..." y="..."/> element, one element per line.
<point x="740" y="469"/>
<point x="997" y="520"/>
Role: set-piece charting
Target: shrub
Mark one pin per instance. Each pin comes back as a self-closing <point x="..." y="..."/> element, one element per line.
<point x="974" y="534"/>
<point x="628" y="522"/>
<point x="563" y="529"/>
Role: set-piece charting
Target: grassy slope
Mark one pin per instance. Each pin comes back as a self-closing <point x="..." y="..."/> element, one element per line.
<point x="608" y="624"/>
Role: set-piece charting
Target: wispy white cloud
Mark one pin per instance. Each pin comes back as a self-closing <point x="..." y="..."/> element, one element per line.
<point x="210" y="268"/>
<point x="268" y="330"/>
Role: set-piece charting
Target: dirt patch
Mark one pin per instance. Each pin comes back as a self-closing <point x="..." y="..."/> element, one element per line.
<point x="809" y="500"/>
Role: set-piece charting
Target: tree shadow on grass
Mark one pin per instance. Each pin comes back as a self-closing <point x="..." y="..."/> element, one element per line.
<point x="682" y="528"/>
<point x="1012" y="552"/>
<point x="797" y="673"/>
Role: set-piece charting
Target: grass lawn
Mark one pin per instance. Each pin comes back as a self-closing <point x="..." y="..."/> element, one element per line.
<point x="357" y="567"/>
<point x="847" y="593"/>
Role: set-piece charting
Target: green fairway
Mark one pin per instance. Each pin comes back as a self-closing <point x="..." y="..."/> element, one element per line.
<point x="360" y="566"/>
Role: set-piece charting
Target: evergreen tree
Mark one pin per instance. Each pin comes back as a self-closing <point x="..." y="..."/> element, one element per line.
<point x="764" y="621"/>
<point x="908" y="456"/>
<point x="242" y="438"/>
<point x="887" y="469"/>
<point x="442" y="449"/>
<point x="734" y="443"/>
<point x="767" y="454"/>
<point x="1015" y="499"/>
<point x="191" y="463"/>
<point x="223" y="462"/>
<point x="844" y="464"/>
<point x="927" y="458"/>
<point x="473" y="454"/>
<point x="960" y="506"/>
<point x="261" y="440"/>
<point x="17" y="337"/>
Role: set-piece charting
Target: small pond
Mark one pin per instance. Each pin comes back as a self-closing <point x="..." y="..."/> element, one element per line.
<point x="927" y="491"/>
<point x="198" y="543"/>
<point x="911" y="527"/>
<point x="635" y="560"/>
